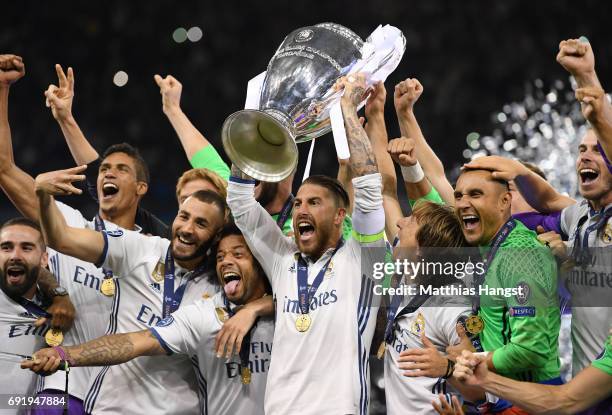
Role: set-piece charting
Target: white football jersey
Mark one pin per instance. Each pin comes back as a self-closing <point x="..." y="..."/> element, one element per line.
<point x="18" y="335"/>
<point x="592" y="284"/>
<point x="192" y="329"/>
<point x="437" y="317"/>
<point x="323" y="370"/>
<point x="145" y="384"/>
<point x="82" y="281"/>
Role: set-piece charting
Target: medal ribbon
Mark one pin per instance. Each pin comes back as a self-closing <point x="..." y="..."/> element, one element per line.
<point x="245" y="347"/>
<point x="33" y="307"/>
<point x="305" y="294"/>
<point x="172" y="300"/>
<point x="581" y="245"/>
<point x="99" y="223"/>
<point x="285" y="212"/>
<point x="498" y="239"/>
<point x="412" y="306"/>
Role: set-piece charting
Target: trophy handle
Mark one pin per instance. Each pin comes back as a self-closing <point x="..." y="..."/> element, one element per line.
<point x="261" y="144"/>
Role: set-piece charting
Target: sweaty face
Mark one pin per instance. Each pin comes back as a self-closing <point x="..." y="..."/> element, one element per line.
<point x="21" y="257"/>
<point x="594" y="179"/>
<point x="482" y="204"/>
<point x="316" y="220"/>
<point x="194" y="230"/>
<point x="118" y="188"/>
<point x="237" y="272"/>
<point x="193" y="186"/>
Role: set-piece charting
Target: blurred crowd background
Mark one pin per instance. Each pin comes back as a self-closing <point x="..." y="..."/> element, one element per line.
<point x="471" y="56"/>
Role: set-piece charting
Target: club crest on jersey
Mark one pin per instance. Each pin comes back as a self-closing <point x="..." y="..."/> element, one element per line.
<point x="159" y="271"/>
<point x="606" y="235"/>
<point x="524" y="291"/>
<point x="165" y="322"/>
<point x="418" y="325"/>
<point x="115" y="234"/>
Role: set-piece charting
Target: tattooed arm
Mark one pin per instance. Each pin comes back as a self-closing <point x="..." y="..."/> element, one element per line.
<point x="108" y="350"/>
<point x="363" y="161"/>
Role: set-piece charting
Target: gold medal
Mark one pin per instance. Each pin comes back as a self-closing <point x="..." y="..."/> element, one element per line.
<point x="381" y="350"/>
<point x="108" y="287"/>
<point x="303" y="322"/>
<point x="54" y="337"/>
<point x="474" y="324"/>
<point x="222" y="315"/>
<point x="245" y="375"/>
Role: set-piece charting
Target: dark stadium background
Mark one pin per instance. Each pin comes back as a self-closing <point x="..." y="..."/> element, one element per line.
<point x="471" y="56"/>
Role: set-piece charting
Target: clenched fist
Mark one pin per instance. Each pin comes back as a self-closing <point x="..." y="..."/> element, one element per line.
<point x="402" y="151"/>
<point x="576" y="56"/>
<point x="406" y="94"/>
<point x="11" y="69"/>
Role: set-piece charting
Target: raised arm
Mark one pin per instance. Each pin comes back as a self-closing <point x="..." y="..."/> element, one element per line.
<point x="363" y="161"/>
<point x="576" y="56"/>
<point x="537" y="192"/>
<point x="406" y="94"/>
<point x="59" y="99"/>
<point x="260" y="231"/>
<point x="377" y="133"/>
<point x="198" y="149"/>
<point x="16" y="184"/>
<point x="107" y="350"/>
<point x="85" y="244"/>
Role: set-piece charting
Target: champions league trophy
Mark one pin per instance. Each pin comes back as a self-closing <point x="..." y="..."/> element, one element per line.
<point x="297" y="94"/>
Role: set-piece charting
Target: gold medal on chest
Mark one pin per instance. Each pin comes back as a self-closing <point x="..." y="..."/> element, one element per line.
<point x="606" y="235"/>
<point x="245" y="375"/>
<point x="303" y="322"/>
<point x="474" y="324"/>
<point x="54" y="337"/>
<point x="222" y="315"/>
<point x="108" y="287"/>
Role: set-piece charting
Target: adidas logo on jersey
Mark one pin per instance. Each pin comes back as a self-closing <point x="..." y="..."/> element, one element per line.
<point x="156" y="287"/>
<point x="27" y="314"/>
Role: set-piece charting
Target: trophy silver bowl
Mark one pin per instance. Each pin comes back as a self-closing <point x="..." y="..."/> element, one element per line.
<point x="295" y="100"/>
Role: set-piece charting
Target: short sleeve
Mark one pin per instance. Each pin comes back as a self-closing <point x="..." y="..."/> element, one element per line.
<point x="604" y="362"/>
<point x="124" y="250"/>
<point x="184" y="330"/>
<point x="210" y="159"/>
<point x="73" y="217"/>
<point x="432" y="196"/>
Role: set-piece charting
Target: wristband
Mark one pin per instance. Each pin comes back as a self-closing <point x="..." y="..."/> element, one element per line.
<point x="413" y="174"/>
<point x="63" y="356"/>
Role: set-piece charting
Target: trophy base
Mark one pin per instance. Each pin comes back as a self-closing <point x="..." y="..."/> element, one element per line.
<point x="260" y="145"/>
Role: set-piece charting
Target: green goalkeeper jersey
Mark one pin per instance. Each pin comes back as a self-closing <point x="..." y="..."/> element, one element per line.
<point x="522" y="328"/>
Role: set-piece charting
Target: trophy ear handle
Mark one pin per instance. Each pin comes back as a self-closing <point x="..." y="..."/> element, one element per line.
<point x="260" y="145"/>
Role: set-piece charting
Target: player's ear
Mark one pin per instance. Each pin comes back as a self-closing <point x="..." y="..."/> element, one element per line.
<point x="141" y="188"/>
